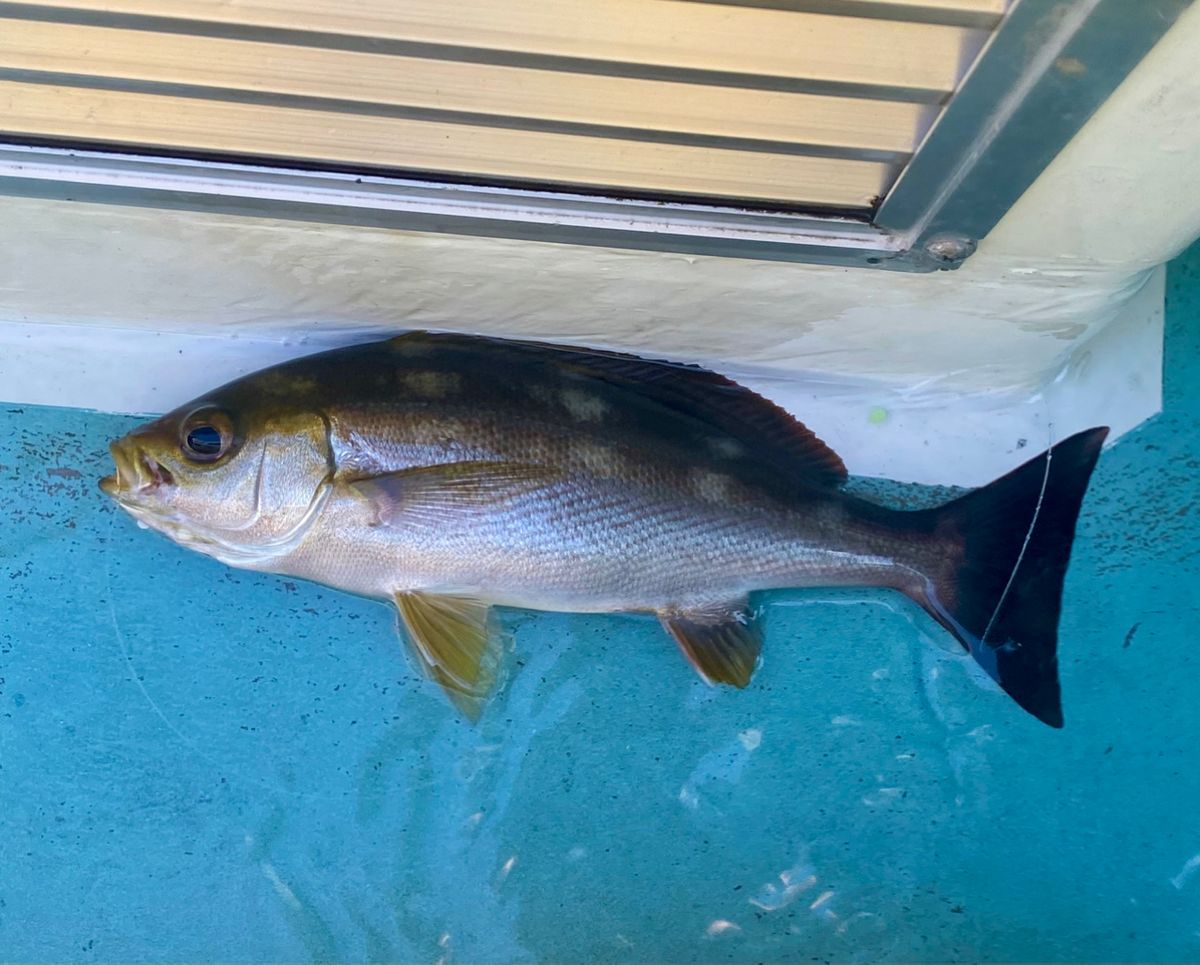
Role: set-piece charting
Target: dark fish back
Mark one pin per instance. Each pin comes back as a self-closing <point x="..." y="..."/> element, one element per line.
<point x="663" y="408"/>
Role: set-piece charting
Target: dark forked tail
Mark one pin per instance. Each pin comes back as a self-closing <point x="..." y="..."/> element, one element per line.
<point x="1001" y="592"/>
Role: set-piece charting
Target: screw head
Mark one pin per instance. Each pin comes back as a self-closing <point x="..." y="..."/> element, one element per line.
<point x="949" y="251"/>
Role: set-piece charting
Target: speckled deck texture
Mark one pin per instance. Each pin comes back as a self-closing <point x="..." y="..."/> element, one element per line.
<point x="198" y="764"/>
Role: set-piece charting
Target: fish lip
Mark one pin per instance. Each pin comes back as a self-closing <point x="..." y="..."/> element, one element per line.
<point x="138" y="473"/>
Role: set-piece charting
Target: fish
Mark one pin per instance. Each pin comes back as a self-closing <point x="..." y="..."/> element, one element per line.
<point x="451" y="474"/>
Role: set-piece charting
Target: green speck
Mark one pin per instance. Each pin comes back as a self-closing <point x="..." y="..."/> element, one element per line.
<point x="877" y="416"/>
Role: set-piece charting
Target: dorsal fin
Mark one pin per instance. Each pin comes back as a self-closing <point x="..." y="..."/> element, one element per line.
<point x="774" y="437"/>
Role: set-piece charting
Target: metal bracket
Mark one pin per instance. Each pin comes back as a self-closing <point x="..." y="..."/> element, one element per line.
<point x="1046" y="70"/>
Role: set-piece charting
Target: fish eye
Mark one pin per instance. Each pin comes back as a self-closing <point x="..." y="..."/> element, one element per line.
<point x="205" y="441"/>
<point x="206" y="436"/>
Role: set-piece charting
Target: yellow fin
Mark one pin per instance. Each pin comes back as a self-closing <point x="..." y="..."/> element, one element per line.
<point x="438" y="493"/>
<point x="721" y="641"/>
<point x="451" y="637"/>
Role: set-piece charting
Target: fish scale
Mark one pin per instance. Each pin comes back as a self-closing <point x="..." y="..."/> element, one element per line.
<point x="585" y="543"/>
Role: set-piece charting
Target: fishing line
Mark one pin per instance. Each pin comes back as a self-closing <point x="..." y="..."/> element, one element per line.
<point x="265" y="866"/>
<point x="228" y="770"/>
<point x="1037" y="511"/>
<point x="112" y="612"/>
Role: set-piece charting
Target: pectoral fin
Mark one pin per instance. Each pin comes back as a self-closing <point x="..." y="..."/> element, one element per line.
<point x="721" y="641"/>
<point x="455" y="645"/>
<point x="439" y="493"/>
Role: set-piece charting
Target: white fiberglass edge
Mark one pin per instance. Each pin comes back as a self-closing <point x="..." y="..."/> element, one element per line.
<point x="918" y="432"/>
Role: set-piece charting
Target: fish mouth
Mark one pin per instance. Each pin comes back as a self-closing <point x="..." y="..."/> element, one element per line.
<point x="138" y="473"/>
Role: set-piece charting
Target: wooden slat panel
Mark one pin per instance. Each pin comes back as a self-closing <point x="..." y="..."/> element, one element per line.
<point x="506" y="92"/>
<point x="183" y="124"/>
<point x="666" y="33"/>
<point x="909" y="8"/>
<point x="963" y="13"/>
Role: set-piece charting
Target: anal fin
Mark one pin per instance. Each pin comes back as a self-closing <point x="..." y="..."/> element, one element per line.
<point x="722" y="641"/>
<point x="452" y="638"/>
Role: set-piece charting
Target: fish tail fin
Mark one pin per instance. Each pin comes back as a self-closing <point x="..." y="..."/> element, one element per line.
<point x="1000" y="589"/>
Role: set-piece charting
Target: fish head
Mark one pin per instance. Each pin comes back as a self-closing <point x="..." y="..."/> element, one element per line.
<point x="239" y="474"/>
